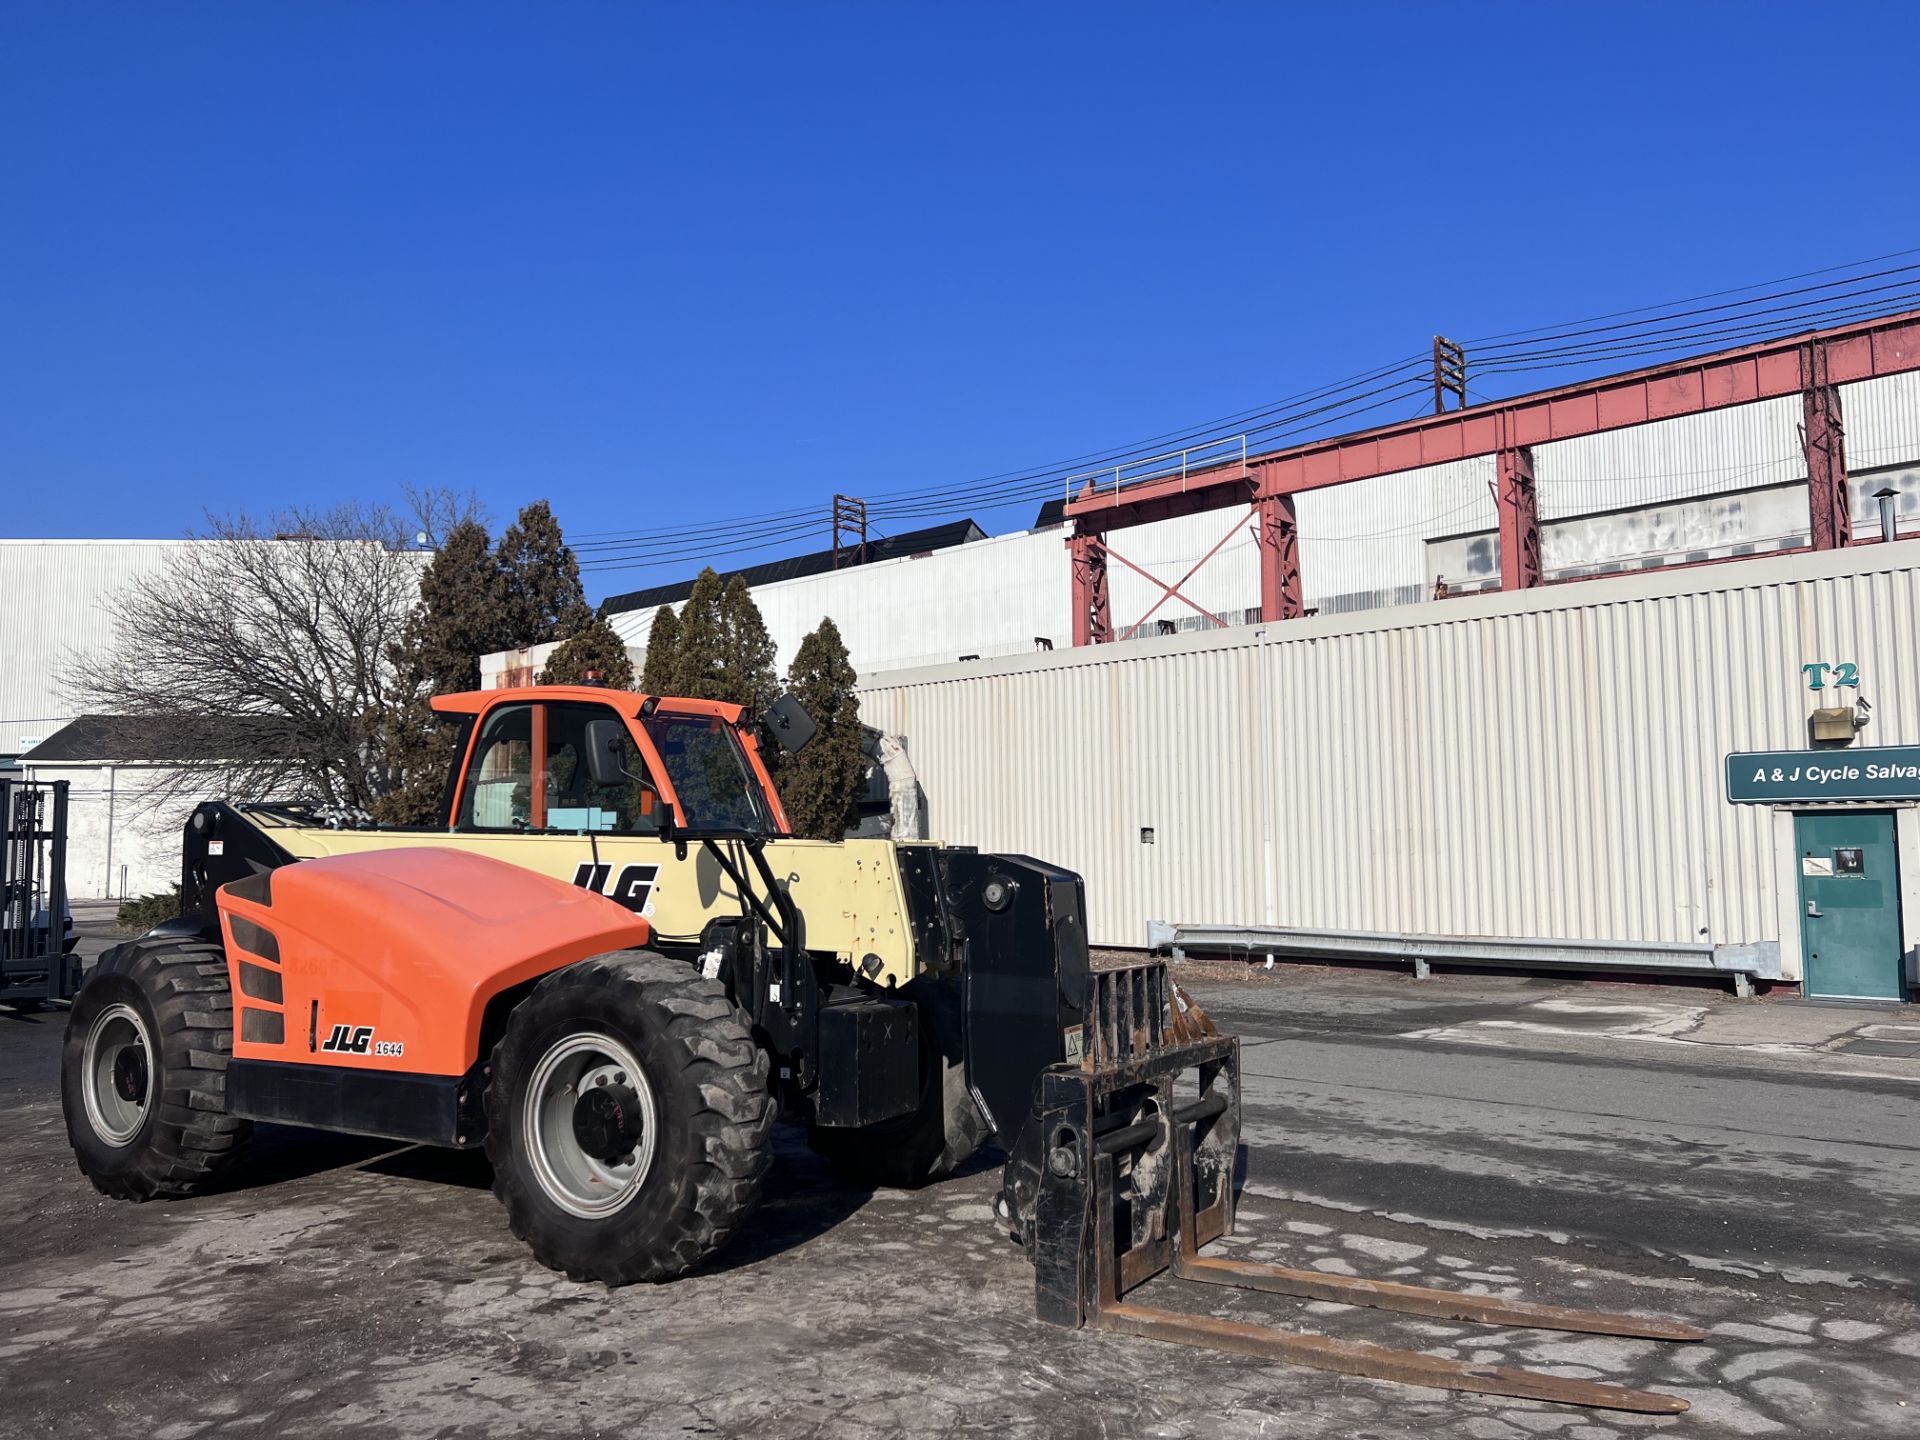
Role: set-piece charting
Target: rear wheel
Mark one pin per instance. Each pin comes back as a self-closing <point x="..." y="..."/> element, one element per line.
<point x="143" y="1072"/>
<point x="628" y="1119"/>
<point x="938" y="1136"/>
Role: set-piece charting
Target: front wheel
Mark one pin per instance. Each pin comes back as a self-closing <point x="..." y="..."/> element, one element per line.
<point x="143" y="1071"/>
<point x="628" y="1119"/>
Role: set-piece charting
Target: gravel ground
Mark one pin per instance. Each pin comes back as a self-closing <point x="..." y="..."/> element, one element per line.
<point x="348" y="1288"/>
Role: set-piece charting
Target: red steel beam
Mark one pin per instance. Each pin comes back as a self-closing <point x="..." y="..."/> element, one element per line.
<point x="1279" y="531"/>
<point x="1513" y="494"/>
<point x="1863" y="350"/>
<point x="1824" y="439"/>
<point x="1092" y="614"/>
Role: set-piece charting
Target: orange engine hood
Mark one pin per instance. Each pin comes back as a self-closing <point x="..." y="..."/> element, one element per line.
<point x="394" y="954"/>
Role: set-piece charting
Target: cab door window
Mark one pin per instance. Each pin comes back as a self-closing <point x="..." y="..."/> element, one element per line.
<point x="574" y="802"/>
<point x="499" y="789"/>
<point x="711" y="781"/>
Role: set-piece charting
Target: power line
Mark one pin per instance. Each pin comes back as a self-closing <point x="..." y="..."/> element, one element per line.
<point x="705" y="554"/>
<point x="1315" y="409"/>
<point x="1044" y="486"/>
<point x="1057" y="468"/>
<point x="730" y="530"/>
<point x="1557" y="360"/>
<point x="1695" y="299"/>
<point x="1734" y="305"/>
<point x="703" y="527"/>
<point x="1175" y="437"/>
<point x="1048" y="479"/>
<point x="1900" y="291"/>
<point x="647" y="554"/>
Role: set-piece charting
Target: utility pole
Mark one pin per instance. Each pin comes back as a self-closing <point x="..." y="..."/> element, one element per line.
<point x="1449" y="375"/>
<point x="849" y="520"/>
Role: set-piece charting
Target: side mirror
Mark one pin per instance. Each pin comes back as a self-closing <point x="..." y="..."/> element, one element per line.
<point x="606" y="749"/>
<point x="790" y="723"/>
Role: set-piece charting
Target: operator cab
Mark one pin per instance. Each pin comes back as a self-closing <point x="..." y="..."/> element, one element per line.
<point x="575" y="759"/>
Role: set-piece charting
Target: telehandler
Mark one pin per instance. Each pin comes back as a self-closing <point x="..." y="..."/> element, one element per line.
<point x="613" y="968"/>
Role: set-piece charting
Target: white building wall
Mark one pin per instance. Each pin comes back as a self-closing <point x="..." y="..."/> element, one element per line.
<point x="52" y="608"/>
<point x="919" y="608"/>
<point x="1882" y="420"/>
<point x="995" y="596"/>
<point x="1539" y="765"/>
<point x="1741" y="448"/>
<point x="1365" y="544"/>
<point x="118" y="842"/>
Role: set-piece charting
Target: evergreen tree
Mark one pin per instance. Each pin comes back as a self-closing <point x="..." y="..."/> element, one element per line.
<point x="540" y="580"/>
<point x="461" y="613"/>
<point x="699" y="671"/>
<point x="819" y="785"/>
<point x="593" y="651"/>
<point x="661" y="671"/>
<point x="747" y="651"/>
<point x="458" y="618"/>
<point x="724" y="650"/>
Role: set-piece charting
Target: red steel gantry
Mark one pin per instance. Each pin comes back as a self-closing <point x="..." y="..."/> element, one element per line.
<point x="1812" y="365"/>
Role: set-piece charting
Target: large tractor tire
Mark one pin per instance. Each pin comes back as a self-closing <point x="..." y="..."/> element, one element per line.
<point x="629" y="1120"/>
<point x="935" y="1139"/>
<point x="143" y="1073"/>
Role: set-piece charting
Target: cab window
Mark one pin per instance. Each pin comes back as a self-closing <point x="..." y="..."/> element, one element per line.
<point x="574" y="802"/>
<point x="499" y="793"/>
<point x="529" y="772"/>
<point x="716" y="788"/>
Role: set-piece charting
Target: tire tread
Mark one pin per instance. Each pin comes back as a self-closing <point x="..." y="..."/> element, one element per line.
<point x="192" y="1138"/>
<point x="732" y="1128"/>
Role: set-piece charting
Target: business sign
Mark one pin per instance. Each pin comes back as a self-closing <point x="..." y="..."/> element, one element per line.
<point x="1842" y="673"/>
<point x="1777" y="777"/>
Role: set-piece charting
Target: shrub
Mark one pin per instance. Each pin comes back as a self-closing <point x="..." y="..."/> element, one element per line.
<point x="142" y="914"/>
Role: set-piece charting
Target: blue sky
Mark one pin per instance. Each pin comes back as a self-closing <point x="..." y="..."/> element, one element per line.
<point x="670" y="265"/>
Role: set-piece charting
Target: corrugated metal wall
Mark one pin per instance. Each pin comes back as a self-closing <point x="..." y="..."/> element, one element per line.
<point x="1882" y="419"/>
<point x="53" y="597"/>
<point x="1541" y="765"/>
<point x="1365" y="544"/>
<point x="1734" y="449"/>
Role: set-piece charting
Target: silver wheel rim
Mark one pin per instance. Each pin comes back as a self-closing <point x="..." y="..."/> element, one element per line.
<point x="580" y="1183"/>
<point x="114" y="1118"/>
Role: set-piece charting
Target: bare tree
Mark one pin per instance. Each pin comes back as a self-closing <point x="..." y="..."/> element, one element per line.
<point x="437" y="511"/>
<point x="259" y="658"/>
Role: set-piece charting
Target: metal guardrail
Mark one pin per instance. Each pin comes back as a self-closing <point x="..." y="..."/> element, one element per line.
<point x="1112" y="479"/>
<point x="1741" y="964"/>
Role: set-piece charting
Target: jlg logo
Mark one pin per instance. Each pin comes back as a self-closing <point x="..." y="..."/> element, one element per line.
<point x="633" y="889"/>
<point x="350" y="1040"/>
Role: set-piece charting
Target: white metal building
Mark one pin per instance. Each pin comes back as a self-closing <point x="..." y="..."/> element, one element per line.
<point x="55" y="599"/>
<point x="1545" y="767"/>
<point x="52" y="609"/>
<point x="122" y="838"/>
<point x="1419" y="768"/>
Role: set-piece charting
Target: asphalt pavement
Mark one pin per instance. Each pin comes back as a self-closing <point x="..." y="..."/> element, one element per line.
<point x="1636" y="1148"/>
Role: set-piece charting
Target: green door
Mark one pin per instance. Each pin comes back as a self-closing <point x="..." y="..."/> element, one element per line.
<point x="1849" y="906"/>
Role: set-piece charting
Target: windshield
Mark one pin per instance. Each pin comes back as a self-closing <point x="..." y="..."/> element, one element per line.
<point x="709" y="774"/>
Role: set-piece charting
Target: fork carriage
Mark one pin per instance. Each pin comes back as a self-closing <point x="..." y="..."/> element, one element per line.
<point x="1131" y="1159"/>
